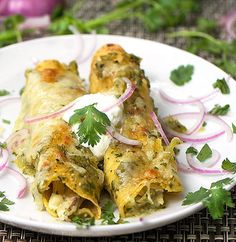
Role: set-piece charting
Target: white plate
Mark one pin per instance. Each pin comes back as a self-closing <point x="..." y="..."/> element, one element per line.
<point x="158" y="61"/>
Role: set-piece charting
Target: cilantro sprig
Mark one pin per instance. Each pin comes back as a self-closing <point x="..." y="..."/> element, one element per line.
<point x="228" y="165"/>
<point x="222" y="85"/>
<point x="83" y="222"/>
<point x="92" y="124"/>
<point x="4" y="202"/>
<point x="108" y="213"/>
<point x="4" y="92"/>
<point x="182" y="74"/>
<point x="220" y="110"/>
<point x="214" y="198"/>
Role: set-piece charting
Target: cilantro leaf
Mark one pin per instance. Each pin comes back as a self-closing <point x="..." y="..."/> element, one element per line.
<point x="92" y="124"/>
<point x="217" y="201"/>
<point x="191" y="150"/>
<point x="228" y="165"/>
<point x="214" y="198"/>
<point x="220" y="183"/>
<point x="108" y="213"/>
<point x="83" y="222"/>
<point x="195" y="197"/>
<point x="6" y="121"/>
<point x="4" y="92"/>
<point x="222" y="85"/>
<point x="219" y="110"/>
<point x="234" y="128"/>
<point x="182" y="74"/>
<point x="3" y="146"/>
<point x="204" y="153"/>
<point x="5" y="202"/>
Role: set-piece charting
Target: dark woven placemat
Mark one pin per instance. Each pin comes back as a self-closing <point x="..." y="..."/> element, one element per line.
<point x="198" y="227"/>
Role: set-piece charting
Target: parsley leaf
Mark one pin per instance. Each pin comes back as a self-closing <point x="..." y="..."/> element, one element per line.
<point x="234" y="128"/>
<point x="222" y="85"/>
<point x="214" y="198"/>
<point x="4" y="203"/>
<point x="4" y="92"/>
<point x="108" y="213"/>
<point x="219" y="110"/>
<point x="191" y="150"/>
<point x="92" y="124"/>
<point x="228" y="165"/>
<point x="83" y="222"/>
<point x="182" y="74"/>
<point x="204" y="153"/>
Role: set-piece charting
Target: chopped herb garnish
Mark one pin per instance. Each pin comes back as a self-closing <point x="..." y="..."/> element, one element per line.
<point x="3" y="145"/>
<point x="4" y="92"/>
<point x="83" y="222"/>
<point x="21" y="90"/>
<point x="175" y="124"/>
<point x="6" y="121"/>
<point x="4" y="203"/>
<point x="182" y="74"/>
<point x="191" y="150"/>
<point x="228" y="165"/>
<point x="214" y="198"/>
<point x="204" y="153"/>
<point x="234" y="128"/>
<point x="92" y="122"/>
<point x="219" y="110"/>
<point x="204" y="124"/>
<point x="222" y="85"/>
<point x="108" y="213"/>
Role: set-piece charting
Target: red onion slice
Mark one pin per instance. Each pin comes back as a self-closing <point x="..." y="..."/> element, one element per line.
<point x="92" y="49"/>
<point x="228" y="21"/>
<point x="207" y="163"/>
<point x="4" y="159"/>
<point x="122" y="138"/>
<point x="21" y="180"/>
<point x="15" y="139"/>
<point x="192" y="164"/>
<point x="200" y="118"/>
<point x="79" y="57"/>
<point x="36" y="23"/>
<point x="187" y="101"/>
<point x="215" y="119"/>
<point x="9" y="99"/>
<point x="50" y="115"/>
<point x="195" y="139"/>
<point x="159" y="128"/>
<point x="75" y="31"/>
<point x="127" y="94"/>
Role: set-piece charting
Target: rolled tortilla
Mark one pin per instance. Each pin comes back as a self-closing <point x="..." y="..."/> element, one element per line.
<point x="67" y="181"/>
<point x="136" y="177"/>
